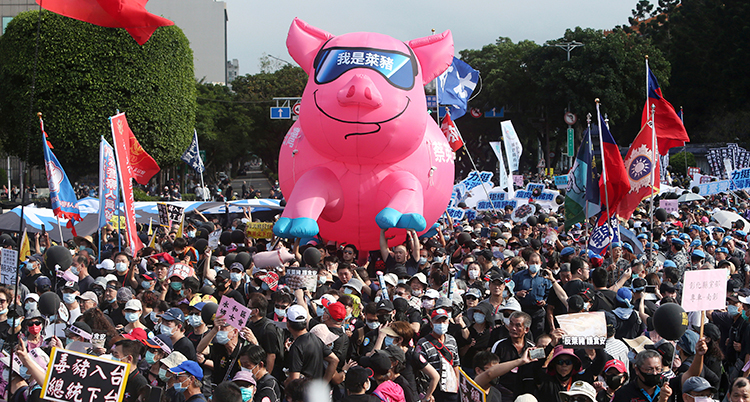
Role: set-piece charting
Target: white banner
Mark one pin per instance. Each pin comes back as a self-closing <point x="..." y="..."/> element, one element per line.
<point x="513" y="147"/>
<point x="505" y="180"/>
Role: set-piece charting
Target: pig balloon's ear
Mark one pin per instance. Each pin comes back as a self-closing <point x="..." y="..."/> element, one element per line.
<point x="304" y="41"/>
<point x="435" y="54"/>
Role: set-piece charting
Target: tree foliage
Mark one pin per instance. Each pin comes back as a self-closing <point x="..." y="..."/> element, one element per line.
<point x="681" y="161"/>
<point x="85" y="74"/>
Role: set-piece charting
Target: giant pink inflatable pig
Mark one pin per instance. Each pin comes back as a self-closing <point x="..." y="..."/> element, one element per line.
<point x="365" y="154"/>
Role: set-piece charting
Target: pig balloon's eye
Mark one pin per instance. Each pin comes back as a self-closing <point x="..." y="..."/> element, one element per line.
<point x="397" y="68"/>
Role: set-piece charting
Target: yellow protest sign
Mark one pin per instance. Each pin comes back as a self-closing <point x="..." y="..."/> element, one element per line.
<point x="122" y="222"/>
<point x="259" y="230"/>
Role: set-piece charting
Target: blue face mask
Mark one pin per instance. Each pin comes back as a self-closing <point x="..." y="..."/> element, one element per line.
<point x="30" y="306"/>
<point x="440" y="329"/>
<point x="132" y="317"/>
<point x="150" y="357"/>
<point x="74" y="270"/>
<point x="235" y="277"/>
<point x="478" y="318"/>
<point x="264" y="286"/>
<point x="733" y="310"/>
<point x="179" y="388"/>
<point x="146" y="284"/>
<point x="163" y="374"/>
<point x="222" y="337"/>
<point x="247" y="394"/>
<point x="166" y="330"/>
<point x="388" y="341"/>
<point x="534" y="268"/>
<point x="69" y="298"/>
<point x="319" y="311"/>
<point x="744" y="316"/>
<point x="194" y="320"/>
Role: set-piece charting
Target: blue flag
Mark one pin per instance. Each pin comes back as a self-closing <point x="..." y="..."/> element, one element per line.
<point x="192" y="155"/>
<point x="108" y="185"/>
<point x="604" y="235"/>
<point x="580" y="189"/>
<point x="455" y="85"/>
<point x="61" y="194"/>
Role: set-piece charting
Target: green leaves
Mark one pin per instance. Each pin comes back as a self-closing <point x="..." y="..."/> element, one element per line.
<point x="85" y="74"/>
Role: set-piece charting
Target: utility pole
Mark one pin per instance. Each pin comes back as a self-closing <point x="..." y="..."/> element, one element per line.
<point x="568" y="46"/>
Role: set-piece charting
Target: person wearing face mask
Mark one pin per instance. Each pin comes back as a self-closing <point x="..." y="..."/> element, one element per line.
<point x="161" y="371"/>
<point x="476" y="337"/>
<point x="70" y="293"/>
<point x="440" y="350"/>
<point x="128" y="351"/>
<point x="106" y="267"/>
<point x="187" y="380"/>
<point x="418" y="284"/>
<point x="124" y="270"/>
<point x="224" y="288"/>
<point x="563" y="371"/>
<point x="132" y="312"/>
<point x="357" y="383"/>
<point x="646" y="385"/>
<point x="270" y="337"/>
<point x="246" y="383"/>
<point x="615" y="375"/>
<point x="32" y="269"/>
<point x="157" y="348"/>
<point x="173" y="324"/>
<point x="197" y="327"/>
<point x="31" y="302"/>
<point x="400" y="255"/>
<point x="364" y="337"/>
<point x="532" y="287"/>
<point x="252" y="360"/>
<point x="308" y="352"/>
<point x="222" y="351"/>
<point x="80" y="268"/>
<point x="732" y="326"/>
<point x="488" y="369"/>
<point x="473" y="276"/>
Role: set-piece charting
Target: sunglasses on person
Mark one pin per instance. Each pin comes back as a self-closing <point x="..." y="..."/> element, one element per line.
<point x="35" y="323"/>
<point x="399" y="69"/>
<point x="564" y="362"/>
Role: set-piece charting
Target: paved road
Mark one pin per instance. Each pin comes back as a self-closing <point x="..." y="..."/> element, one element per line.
<point x="254" y="178"/>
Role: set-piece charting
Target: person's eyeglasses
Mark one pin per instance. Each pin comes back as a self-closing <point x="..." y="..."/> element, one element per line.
<point x="348" y="252"/>
<point x="3" y="301"/>
<point x="564" y="362"/>
<point x="35" y="323"/>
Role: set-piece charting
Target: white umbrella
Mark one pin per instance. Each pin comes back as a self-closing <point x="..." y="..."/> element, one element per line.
<point x="688" y="197"/>
<point x="726" y="219"/>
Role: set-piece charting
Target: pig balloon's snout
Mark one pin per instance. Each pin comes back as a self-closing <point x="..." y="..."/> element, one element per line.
<point x="360" y="91"/>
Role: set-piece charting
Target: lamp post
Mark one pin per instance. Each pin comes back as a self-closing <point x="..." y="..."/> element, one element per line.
<point x="568" y="46"/>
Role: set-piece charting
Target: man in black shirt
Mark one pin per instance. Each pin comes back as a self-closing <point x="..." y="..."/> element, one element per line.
<point x="267" y="389"/>
<point x="307" y="353"/>
<point x="520" y="381"/>
<point x="269" y="336"/>
<point x="400" y="255"/>
<point x="579" y="271"/>
<point x="644" y="386"/>
<point x="128" y="351"/>
<point x="173" y="324"/>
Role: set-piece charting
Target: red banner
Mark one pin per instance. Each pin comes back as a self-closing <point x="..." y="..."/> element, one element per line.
<point x="121" y="134"/>
<point x="451" y="133"/>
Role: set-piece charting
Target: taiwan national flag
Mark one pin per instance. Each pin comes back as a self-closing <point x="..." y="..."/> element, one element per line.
<point x="641" y="161"/>
<point x="616" y="184"/>
<point x="670" y="132"/>
<point x="128" y="14"/>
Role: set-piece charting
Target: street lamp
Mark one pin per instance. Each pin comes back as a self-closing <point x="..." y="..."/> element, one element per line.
<point x="568" y="46"/>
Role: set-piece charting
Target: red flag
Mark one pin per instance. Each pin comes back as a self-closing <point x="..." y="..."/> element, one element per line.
<point x="143" y="166"/>
<point x="128" y="14"/>
<point x="121" y="134"/>
<point x="641" y="163"/>
<point x="616" y="181"/>
<point x="670" y="132"/>
<point x="451" y="133"/>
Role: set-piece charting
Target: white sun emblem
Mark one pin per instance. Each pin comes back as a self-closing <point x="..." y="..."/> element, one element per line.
<point x="54" y="177"/>
<point x="640" y="167"/>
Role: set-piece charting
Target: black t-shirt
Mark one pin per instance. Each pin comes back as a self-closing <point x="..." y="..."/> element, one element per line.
<point x="185" y="347"/>
<point x="268" y="335"/>
<point x="576" y="287"/>
<point x="414" y="364"/>
<point x="194" y="338"/>
<point x="604" y="300"/>
<point x="340" y="346"/>
<point x="361" y="398"/>
<point x="631" y="392"/>
<point x="306" y="356"/>
<point x="411" y="265"/>
<point x="29" y="282"/>
<point x="267" y="387"/>
<point x="136" y="381"/>
<point x="222" y="361"/>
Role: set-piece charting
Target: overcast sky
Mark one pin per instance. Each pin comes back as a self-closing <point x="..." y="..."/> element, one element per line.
<point x="257" y="27"/>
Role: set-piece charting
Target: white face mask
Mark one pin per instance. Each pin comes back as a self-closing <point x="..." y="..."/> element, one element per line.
<point x="473" y="273"/>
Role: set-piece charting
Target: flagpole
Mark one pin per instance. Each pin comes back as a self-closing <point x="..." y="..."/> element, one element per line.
<point x="619" y="236"/>
<point x="654" y="152"/>
<point x="586" y="201"/>
<point x="604" y="165"/>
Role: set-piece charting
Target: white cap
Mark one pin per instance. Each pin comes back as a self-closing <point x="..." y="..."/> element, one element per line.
<point x="432" y="294"/>
<point x="133" y="304"/>
<point x="296" y="313"/>
<point x="32" y="296"/>
<point x="420" y="277"/>
<point x="391" y="279"/>
<point x="107" y="264"/>
<point x="744" y="299"/>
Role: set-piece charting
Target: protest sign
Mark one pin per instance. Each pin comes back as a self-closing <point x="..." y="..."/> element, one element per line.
<point x="299" y="277"/>
<point x="8" y="266"/>
<point x="259" y="230"/>
<point x="538" y="193"/>
<point x="518" y="180"/>
<point x="669" y="205"/>
<point x="169" y="214"/>
<point x="213" y="239"/>
<point x="74" y="376"/>
<point x="456" y="214"/>
<point x="235" y="313"/>
<point x="692" y="171"/>
<point x="583" y="330"/>
<point x="705" y="289"/>
<point x="561" y="181"/>
<point x="468" y="390"/>
<point x="714" y="187"/>
<point x="119" y="222"/>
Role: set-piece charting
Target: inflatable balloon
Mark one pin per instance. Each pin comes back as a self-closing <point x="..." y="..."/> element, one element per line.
<point x="696" y="189"/>
<point x="660" y="214"/>
<point x="311" y="257"/>
<point x="229" y="259"/>
<point x="225" y="238"/>
<point x="244" y="258"/>
<point x="463" y="238"/>
<point x="200" y="245"/>
<point x="670" y="321"/>
<point x="49" y="302"/>
<point x="363" y="154"/>
<point x="273" y="258"/>
<point x="58" y="255"/>
<point x="532" y="220"/>
<point x="238" y="237"/>
<point x="208" y="312"/>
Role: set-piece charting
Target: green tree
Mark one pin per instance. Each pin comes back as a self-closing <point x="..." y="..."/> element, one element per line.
<point x="681" y="161"/>
<point x="85" y="74"/>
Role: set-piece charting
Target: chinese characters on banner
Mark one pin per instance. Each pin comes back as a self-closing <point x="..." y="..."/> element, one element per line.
<point x="584" y="330"/>
<point x="8" y="266"/>
<point x="235" y="313"/>
<point x="169" y="213"/>
<point x="669" y="205"/>
<point x="107" y="183"/>
<point x="120" y="134"/>
<point x="259" y="230"/>
<point x="74" y="376"/>
<point x="704" y="290"/>
<point x="468" y="390"/>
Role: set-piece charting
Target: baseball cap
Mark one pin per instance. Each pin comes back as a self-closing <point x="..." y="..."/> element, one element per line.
<point x="85" y="296"/>
<point x="324" y="334"/>
<point x="617" y="365"/>
<point x="296" y="313"/>
<point x="581" y="388"/>
<point x="337" y="311"/>
<point x="137" y="334"/>
<point x="687" y="342"/>
<point x="487" y="254"/>
<point x="70" y="285"/>
<point x="567" y="251"/>
<point x="439" y="312"/>
<point x="244" y="376"/>
<point x="379" y="362"/>
<point x="385" y="305"/>
<point x="431" y="294"/>
<point x="124" y="294"/>
<point x="161" y="341"/>
<point x="174" y="359"/>
<point x="35" y="296"/>
<point x="173" y="314"/>
<point x="42" y="282"/>
<point x="107" y="265"/>
<point x="473" y="292"/>
<point x="356" y="377"/>
<point x="133" y="304"/>
<point x="696" y="384"/>
<point x="190" y="367"/>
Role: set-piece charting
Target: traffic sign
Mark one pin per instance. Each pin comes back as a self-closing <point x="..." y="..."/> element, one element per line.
<point x="570" y="118"/>
<point x="202" y="153"/>
<point x="295" y="109"/>
<point x="431" y="101"/>
<point x="281" y="113"/>
<point x="495" y="113"/>
<point x="571" y="142"/>
<point x="476" y="113"/>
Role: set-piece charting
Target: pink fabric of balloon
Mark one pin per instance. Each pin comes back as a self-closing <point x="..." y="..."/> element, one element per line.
<point x="273" y="258"/>
<point x="364" y="154"/>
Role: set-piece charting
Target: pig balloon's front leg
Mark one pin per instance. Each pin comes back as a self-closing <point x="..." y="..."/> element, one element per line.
<point x="405" y="203"/>
<point x="317" y="191"/>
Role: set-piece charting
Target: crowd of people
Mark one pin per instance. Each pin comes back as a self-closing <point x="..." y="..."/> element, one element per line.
<point x="478" y="300"/>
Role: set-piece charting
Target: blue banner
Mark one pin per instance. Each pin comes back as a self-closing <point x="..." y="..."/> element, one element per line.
<point x="192" y="155"/>
<point x="61" y="194"/>
<point x="603" y="235"/>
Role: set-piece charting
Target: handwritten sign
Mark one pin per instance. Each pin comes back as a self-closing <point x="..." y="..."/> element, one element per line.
<point x="213" y="239"/>
<point x="169" y="213"/>
<point x="74" y="376"/>
<point x="259" y="230"/>
<point x="584" y="330"/>
<point x="669" y="205"/>
<point x="468" y="390"/>
<point x="705" y="289"/>
<point x="235" y="313"/>
<point x="8" y="266"/>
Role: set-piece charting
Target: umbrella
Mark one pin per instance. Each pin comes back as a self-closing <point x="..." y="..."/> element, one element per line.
<point x="688" y="197"/>
<point x="726" y="219"/>
<point x="630" y="238"/>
